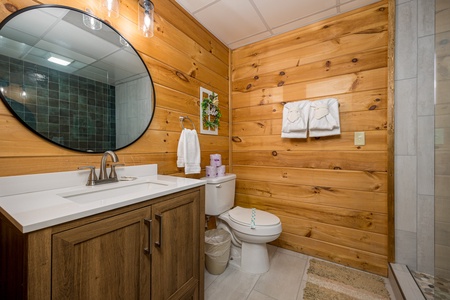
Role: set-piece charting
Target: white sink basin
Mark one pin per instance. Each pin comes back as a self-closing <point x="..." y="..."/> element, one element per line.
<point x="87" y="195"/>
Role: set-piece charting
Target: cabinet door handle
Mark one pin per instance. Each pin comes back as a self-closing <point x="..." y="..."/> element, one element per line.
<point x="159" y="243"/>
<point x="148" y="250"/>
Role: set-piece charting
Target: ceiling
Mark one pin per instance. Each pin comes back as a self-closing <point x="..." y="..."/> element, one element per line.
<point x="35" y="34"/>
<point x="240" y="22"/>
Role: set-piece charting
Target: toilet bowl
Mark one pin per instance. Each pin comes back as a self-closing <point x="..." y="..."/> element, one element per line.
<point x="250" y="228"/>
<point x="252" y="238"/>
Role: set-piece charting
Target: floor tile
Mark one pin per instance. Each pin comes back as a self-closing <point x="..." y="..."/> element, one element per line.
<point x="286" y="279"/>
<point x="283" y="279"/>
<point x="231" y="284"/>
<point x="301" y="289"/>
<point x="255" y="295"/>
<point x="209" y="278"/>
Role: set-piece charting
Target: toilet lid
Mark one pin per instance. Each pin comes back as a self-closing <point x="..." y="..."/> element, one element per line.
<point x="243" y="216"/>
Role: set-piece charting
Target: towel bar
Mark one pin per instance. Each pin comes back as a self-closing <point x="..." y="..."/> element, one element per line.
<point x="185" y="118"/>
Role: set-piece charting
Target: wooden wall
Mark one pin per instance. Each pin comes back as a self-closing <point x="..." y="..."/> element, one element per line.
<point x="181" y="57"/>
<point x="330" y="195"/>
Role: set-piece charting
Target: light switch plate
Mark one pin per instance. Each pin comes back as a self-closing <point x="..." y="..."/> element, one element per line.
<point x="439" y="136"/>
<point x="360" y="138"/>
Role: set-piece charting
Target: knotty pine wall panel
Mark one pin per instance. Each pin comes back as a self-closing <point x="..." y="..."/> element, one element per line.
<point x="181" y="57"/>
<point x="330" y="195"/>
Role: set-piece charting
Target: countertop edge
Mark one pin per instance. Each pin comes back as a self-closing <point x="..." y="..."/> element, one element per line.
<point x="35" y="226"/>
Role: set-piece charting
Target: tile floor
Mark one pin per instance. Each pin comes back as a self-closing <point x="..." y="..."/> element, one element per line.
<point x="434" y="288"/>
<point x="284" y="280"/>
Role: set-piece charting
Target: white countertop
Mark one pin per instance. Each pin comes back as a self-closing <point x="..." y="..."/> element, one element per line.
<point x="33" y="202"/>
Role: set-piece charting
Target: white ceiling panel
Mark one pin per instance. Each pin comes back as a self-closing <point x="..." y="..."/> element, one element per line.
<point x="305" y="21"/>
<point x="277" y="13"/>
<point x="43" y="23"/>
<point x="240" y="22"/>
<point x="77" y="40"/>
<point x="348" y="6"/>
<point x="194" y="5"/>
<point x="250" y="40"/>
<point x="231" y="19"/>
<point x="56" y="49"/>
<point x="12" y="48"/>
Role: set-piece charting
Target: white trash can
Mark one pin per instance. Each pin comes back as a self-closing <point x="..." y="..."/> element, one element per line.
<point x="217" y="250"/>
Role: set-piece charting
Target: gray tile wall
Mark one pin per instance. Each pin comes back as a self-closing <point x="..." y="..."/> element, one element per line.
<point x="70" y="110"/>
<point x="414" y="134"/>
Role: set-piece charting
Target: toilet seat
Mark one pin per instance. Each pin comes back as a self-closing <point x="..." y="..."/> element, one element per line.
<point x="243" y="216"/>
<point x="268" y="224"/>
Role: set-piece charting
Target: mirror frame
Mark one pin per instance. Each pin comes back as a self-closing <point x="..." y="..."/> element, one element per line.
<point x="152" y="99"/>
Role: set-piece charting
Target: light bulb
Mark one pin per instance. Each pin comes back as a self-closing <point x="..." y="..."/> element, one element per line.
<point x="145" y="17"/>
<point x="112" y="7"/>
<point x="147" y="20"/>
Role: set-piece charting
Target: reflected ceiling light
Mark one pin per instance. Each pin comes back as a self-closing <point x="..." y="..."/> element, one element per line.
<point x="145" y="17"/>
<point x="23" y="94"/>
<point x="112" y="7"/>
<point x="123" y="42"/>
<point x="90" y="21"/>
<point x="60" y="60"/>
<point x="4" y="86"/>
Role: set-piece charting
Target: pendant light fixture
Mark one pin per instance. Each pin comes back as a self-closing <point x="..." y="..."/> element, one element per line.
<point x="112" y="7"/>
<point x="90" y="21"/>
<point x="145" y="17"/>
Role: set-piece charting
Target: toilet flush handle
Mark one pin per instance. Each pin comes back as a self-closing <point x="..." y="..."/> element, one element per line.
<point x="218" y="186"/>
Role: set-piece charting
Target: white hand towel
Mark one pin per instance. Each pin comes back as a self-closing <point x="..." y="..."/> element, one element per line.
<point x="295" y="119"/>
<point x="189" y="152"/>
<point x="180" y="150"/>
<point x="324" y="118"/>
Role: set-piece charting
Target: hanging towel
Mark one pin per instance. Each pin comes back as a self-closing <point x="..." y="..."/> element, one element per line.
<point x="295" y="119"/>
<point x="189" y="152"/>
<point x="324" y="118"/>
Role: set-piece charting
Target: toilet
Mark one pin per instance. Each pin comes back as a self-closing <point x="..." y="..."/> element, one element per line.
<point x="250" y="228"/>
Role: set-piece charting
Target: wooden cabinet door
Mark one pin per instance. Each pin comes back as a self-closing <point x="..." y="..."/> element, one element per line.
<point x="176" y="248"/>
<point x="106" y="259"/>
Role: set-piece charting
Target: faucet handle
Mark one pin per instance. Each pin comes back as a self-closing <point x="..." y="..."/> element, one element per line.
<point x="113" y="173"/>
<point x="92" y="175"/>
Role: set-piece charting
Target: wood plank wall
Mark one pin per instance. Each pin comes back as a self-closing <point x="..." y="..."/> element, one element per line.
<point x="181" y="57"/>
<point x="330" y="195"/>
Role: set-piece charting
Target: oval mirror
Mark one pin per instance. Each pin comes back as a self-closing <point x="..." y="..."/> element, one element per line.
<point x="73" y="80"/>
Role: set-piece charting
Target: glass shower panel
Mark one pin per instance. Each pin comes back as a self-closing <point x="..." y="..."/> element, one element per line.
<point x="442" y="150"/>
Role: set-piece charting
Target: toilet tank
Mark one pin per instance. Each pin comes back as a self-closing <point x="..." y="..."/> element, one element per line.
<point x="219" y="194"/>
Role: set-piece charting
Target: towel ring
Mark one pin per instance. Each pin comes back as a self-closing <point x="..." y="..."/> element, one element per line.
<point x="186" y="118"/>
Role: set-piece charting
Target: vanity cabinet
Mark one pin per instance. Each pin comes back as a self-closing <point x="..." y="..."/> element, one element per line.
<point x="176" y="247"/>
<point x="103" y="260"/>
<point x="150" y="250"/>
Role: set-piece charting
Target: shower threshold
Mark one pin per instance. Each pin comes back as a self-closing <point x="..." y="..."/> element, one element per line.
<point x="403" y="283"/>
<point x="411" y="285"/>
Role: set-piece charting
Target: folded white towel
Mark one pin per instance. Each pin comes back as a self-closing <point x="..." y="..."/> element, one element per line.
<point x="295" y="119"/>
<point x="188" y="152"/>
<point x="324" y="118"/>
